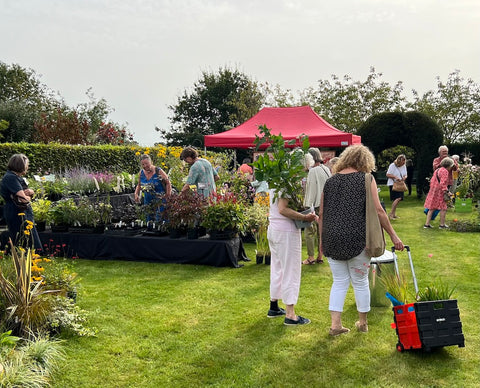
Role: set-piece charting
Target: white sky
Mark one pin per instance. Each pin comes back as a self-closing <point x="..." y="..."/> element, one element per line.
<point x="140" y="55"/>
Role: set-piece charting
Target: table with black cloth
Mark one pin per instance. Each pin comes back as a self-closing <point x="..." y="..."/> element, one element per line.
<point x="217" y="253"/>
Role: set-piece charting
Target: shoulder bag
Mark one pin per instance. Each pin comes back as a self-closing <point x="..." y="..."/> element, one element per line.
<point x="375" y="240"/>
<point x="399" y="185"/>
<point x="20" y="202"/>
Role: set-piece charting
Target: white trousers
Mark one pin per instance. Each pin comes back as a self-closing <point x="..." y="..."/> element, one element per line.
<point x="354" y="271"/>
<point x="285" y="265"/>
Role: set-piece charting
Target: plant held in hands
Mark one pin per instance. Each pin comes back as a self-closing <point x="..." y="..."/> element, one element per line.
<point x="281" y="167"/>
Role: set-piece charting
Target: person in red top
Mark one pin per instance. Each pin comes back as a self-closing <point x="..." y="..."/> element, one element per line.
<point x="443" y="153"/>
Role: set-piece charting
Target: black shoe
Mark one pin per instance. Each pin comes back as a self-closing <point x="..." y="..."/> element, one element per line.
<point x="427" y="226"/>
<point x="300" y="321"/>
<point x="276" y="313"/>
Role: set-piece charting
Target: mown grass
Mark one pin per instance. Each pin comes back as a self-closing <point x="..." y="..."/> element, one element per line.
<point x="186" y="326"/>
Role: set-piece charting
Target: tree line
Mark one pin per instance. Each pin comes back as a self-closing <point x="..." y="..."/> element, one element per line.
<point x="223" y="99"/>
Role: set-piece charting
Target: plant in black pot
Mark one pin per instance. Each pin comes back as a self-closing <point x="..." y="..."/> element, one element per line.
<point x="41" y="212"/>
<point x="257" y="216"/>
<point x="185" y="211"/>
<point x="62" y="214"/>
<point x="224" y="216"/>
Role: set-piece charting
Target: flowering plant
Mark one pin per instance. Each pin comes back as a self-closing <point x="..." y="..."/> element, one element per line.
<point x="185" y="209"/>
<point x="224" y="212"/>
<point x="469" y="178"/>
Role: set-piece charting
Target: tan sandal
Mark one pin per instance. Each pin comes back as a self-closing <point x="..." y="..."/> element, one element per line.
<point x="309" y="262"/>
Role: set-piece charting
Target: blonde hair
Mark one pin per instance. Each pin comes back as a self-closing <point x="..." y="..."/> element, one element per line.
<point x="356" y="156"/>
<point x="399" y="159"/>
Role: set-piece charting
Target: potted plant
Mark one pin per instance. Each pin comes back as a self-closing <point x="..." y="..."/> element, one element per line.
<point x="62" y="214"/>
<point x="185" y="210"/>
<point x="41" y="212"/>
<point x="281" y="167"/>
<point x="257" y="216"/>
<point x="224" y="216"/>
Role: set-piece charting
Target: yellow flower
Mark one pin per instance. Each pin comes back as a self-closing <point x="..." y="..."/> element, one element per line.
<point x="26" y="232"/>
<point x="21" y="214"/>
<point x="137" y="153"/>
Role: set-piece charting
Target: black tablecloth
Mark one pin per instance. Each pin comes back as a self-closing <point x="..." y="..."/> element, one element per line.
<point x="218" y="253"/>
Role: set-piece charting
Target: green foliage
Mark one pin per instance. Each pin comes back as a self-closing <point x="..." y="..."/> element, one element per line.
<point x="41" y="209"/>
<point x="68" y="318"/>
<point x="26" y="305"/>
<point x="398" y="285"/>
<point x="389" y="155"/>
<point x="347" y="104"/>
<point x="8" y="340"/>
<point x="436" y="291"/>
<point x="224" y="212"/>
<point x="257" y="224"/>
<point x="22" y="98"/>
<point x="284" y="169"/>
<point x="31" y="364"/>
<point x="411" y="129"/>
<point x="455" y="106"/>
<point x="219" y="101"/>
<point x="63" y="212"/>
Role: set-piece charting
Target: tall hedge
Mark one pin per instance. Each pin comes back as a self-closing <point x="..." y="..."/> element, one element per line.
<point x="411" y="129"/>
<point x="60" y="157"/>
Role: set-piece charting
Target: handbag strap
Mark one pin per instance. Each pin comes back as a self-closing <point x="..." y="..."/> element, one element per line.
<point x="401" y="176"/>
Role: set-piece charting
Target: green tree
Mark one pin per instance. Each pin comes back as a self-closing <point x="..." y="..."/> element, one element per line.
<point x="219" y="101"/>
<point x="22" y="98"/>
<point x="347" y="104"/>
<point x="455" y="106"/>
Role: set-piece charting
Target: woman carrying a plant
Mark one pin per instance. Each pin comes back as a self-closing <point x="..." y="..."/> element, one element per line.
<point x="342" y="228"/>
<point x="285" y="241"/>
<point x="154" y="183"/>
<point x="17" y="210"/>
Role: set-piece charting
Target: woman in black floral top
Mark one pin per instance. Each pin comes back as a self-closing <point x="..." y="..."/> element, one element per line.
<point x="343" y="233"/>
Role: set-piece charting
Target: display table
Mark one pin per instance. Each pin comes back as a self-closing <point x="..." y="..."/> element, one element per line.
<point x="218" y="253"/>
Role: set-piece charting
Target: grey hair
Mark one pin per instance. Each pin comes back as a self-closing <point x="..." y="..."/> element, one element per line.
<point x="317" y="155"/>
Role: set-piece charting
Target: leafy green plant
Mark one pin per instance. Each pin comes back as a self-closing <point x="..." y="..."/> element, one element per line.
<point x="41" y="209"/>
<point x="8" y="340"/>
<point x="26" y="306"/>
<point x="225" y="213"/>
<point x="436" y="291"/>
<point x="257" y="221"/>
<point x="84" y="213"/>
<point x="63" y="212"/>
<point x="281" y="167"/>
<point x="69" y="318"/>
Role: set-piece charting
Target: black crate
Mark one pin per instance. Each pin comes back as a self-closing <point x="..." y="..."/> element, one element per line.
<point x="439" y="323"/>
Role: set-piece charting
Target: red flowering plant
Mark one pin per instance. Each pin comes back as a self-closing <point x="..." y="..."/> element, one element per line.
<point x="225" y="212"/>
<point x="185" y="209"/>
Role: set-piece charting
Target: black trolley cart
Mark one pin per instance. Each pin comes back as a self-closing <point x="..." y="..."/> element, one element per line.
<point x="426" y="325"/>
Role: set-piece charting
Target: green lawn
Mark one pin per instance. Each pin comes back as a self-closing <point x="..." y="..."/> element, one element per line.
<point x="188" y="326"/>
